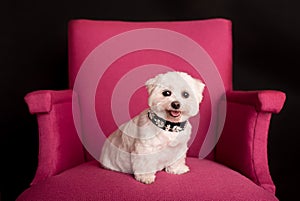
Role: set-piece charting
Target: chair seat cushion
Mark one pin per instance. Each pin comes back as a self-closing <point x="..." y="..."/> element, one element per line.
<point x="207" y="180"/>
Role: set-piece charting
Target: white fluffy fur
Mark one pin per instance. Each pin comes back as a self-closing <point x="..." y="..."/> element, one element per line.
<point x="139" y="147"/>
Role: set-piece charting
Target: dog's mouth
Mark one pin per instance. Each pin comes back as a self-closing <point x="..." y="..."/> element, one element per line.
<point x="174" y="113"/>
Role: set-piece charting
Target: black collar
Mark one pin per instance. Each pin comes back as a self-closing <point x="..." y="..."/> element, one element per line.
<point x="166" y="125"/>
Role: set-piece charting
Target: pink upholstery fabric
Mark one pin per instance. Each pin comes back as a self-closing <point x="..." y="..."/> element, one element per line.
<point x="213" y="35"/>
<point x="242" y="145"/>
<point x="59" y="145"/>
<point x="206" y="181"/>
<point x="263" y="101"/>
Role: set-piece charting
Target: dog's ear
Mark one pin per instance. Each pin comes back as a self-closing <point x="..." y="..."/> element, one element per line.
<point x="199" y="88"/>
<point x="150" y="85"/>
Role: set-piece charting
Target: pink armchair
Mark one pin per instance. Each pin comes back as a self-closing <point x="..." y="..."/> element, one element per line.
<point x="236" y="168"/>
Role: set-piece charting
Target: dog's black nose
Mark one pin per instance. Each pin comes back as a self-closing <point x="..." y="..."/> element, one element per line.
<point x="175" y="104"/>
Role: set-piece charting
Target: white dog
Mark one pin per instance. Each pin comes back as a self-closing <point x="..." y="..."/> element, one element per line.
<point x="157" y="138"/>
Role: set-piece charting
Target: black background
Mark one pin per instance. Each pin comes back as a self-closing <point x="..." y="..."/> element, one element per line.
<point x="33" y="37"/>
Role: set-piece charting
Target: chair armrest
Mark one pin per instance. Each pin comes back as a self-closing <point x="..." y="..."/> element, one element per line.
<point x="59" y="145"/>
<point x="263" y="101"/>
<point x="243" y="143"/>
<point x="42" y="101"/>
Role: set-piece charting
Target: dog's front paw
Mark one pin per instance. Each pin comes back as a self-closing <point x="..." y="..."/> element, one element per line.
<point x="180" y="169"/>
<point x="145" y="178"/>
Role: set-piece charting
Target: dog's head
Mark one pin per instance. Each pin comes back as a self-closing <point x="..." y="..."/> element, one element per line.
<point x="175" y="96"/>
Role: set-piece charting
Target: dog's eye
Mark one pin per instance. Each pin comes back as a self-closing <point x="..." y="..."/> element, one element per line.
<point x="185" y="94"/>
<point x="166" y="93"/>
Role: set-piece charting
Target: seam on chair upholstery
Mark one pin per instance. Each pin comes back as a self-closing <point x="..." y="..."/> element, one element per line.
<point x="253" y="147"/>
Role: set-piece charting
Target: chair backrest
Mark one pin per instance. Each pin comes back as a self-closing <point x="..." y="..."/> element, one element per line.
<point x="109" y="62"/>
